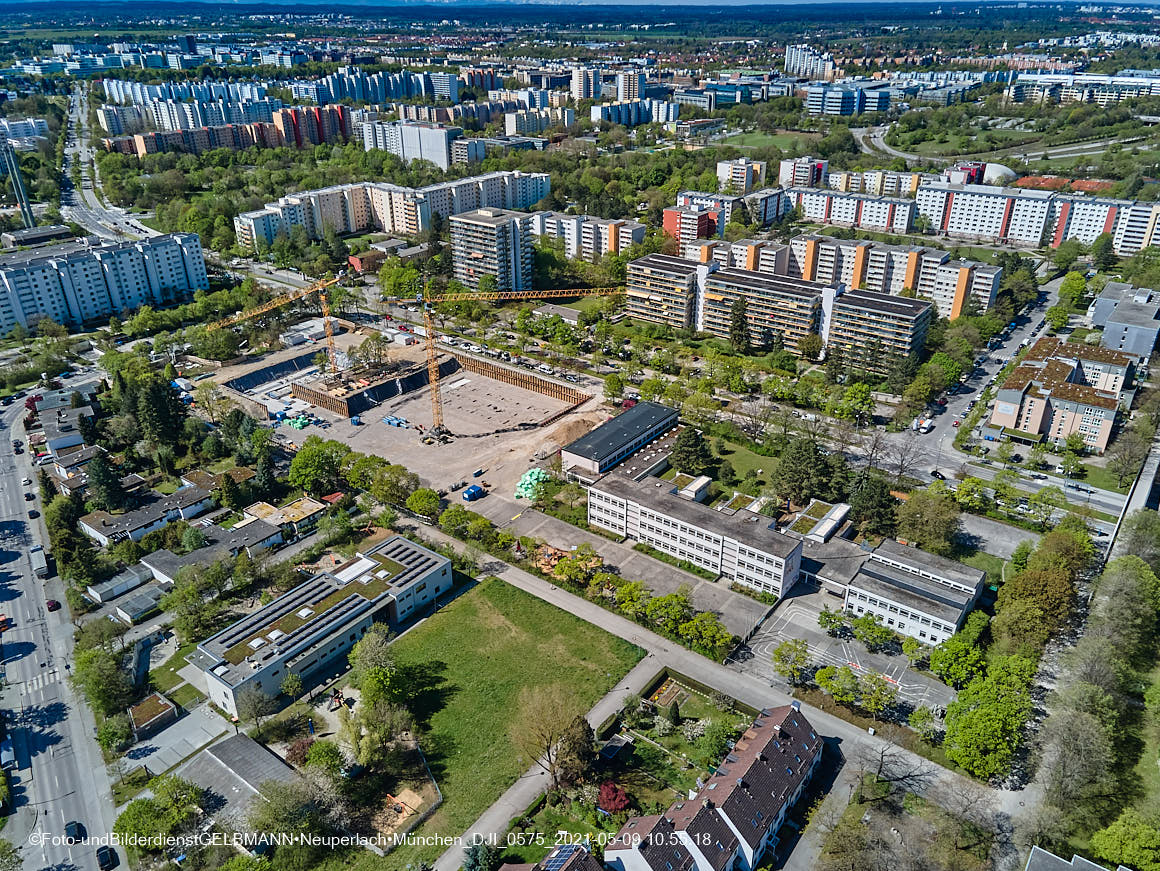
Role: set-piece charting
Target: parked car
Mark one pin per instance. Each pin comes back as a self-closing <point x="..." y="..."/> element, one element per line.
<point x="937" y="475"/>
<point x="957" y="423"/>
<point x="107" y="858"/>
<point x="52" y="605"/>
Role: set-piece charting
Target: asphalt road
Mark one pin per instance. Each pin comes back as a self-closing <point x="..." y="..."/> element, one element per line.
<point x="60" y="775"/>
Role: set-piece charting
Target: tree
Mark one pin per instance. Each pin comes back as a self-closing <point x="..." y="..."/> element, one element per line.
<point x="325" y="756"/>
<point x="577" y="752"/>
<point x="424" y="502"/>
<point x="876" y="695"/>
<point x="317" y="466"/>
<point x="1131" y="840"/>
<point x="105" y="484"/>
<point x="791" y="659"/>
<point x="1103" y="251"/>
<point x="691" y="453"/>
<point x="1067" y="253"/>
<point x="930" y="519"/>
<point x="97" y="673"/>
<point x="810" y="346"/>
<point x="1072" y="289"/>
<point x="985" y="723"/>
<point x="114" y="733"/>
<point x="869" y="629"/>
<point x="802" y="473"/>
<point x="253" y="704"/>
<point x="1140" y="535"/>
<point x="481" y="856"/>
<point x="739" y="326"/>
<point x="613" y="387"/>
<point x="1075" y="758"/>
<point x="872" y="506"/>
<point x="1049" y="587"/>
<point x="229" y="493"/>
<point x="612" y="798"/>
<point x="831" y="621"/>
<point x="955" y="662"/>
<point x="1057" y="317"/>
<point x="913" y="649"/>
<point x="542" y="719"/>
<point x="922" y="721"/>
<point x="192" y="539"/>
<point x="393" y="484"/>
<point x="1044" y="502"/>
<point x="160" y="412"/>
<point x="292" y="686"/>
<point x="839" y="683"/>
<point x="211" y="400"/>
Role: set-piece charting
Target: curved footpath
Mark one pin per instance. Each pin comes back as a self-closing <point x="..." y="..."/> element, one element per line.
<point x="746" y="689"/>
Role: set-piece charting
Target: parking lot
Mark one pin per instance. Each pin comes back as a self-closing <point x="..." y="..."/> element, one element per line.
<point x="797" y="617"/>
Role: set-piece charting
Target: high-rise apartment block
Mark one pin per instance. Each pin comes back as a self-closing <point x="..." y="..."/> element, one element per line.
<point x="807" y="62"/>
<point x="532" y="122"/>
<point x="587" y="237"/>
<point x="873" y="328"/>
<point x="859" y="211"/>
<point x="387" y="208"/>
<point x="630" y="85"/>
<point x="494" y="242"/>
<point x="586" y="83"/>
<point x="803" y="172"/>
<point x="740" y="176"/>
<point x="75" y="283"/>
<point x="416" y="140"/>
<point x="892" y="269"/>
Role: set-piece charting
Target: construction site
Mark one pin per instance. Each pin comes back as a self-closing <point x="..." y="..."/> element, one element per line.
<point x="443" y="413"/>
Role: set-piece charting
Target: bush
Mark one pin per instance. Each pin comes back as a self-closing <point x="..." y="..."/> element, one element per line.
<point x="662" y="727"/>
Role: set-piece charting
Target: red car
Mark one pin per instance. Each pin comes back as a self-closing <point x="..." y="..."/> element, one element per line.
<point x="52" y="605"/>
<point x="956" y="423"/>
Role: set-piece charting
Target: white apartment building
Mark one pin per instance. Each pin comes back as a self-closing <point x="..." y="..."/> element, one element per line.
<point x="740" y="176"/>
<point x="81" y="282"/>
<point x="354" y="208"/>
<point x="859" y="211"/>
<point x="587" y="237"/>
<point x="985" y="212"/>
<point x="803" y="172"/>
<point x="806" y="61"/>
<point x="413" y="140"/>
<point x="586" y="83"/>
<point x="532" y="122"/>
<point x="741" y="547"/>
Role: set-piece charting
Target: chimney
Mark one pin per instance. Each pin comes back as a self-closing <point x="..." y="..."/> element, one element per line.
<point x="705" y="802"/>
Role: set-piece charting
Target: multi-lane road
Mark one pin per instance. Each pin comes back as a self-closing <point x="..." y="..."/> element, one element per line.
<point x="59" y="776"/>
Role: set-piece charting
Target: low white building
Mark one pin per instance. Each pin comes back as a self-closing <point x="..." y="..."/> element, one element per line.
<point x="741" y="546"/>
<point x="914" y="592"/>
<point x="309" y="630"/>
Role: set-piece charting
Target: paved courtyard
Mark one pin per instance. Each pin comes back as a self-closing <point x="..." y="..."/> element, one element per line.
<point x="178" y="741"/>
<point x="797" y="617"/>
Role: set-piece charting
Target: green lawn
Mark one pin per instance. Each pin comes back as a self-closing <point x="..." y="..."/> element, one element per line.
<point x="186" y="696"/>
<point x="757" y="139"/>
<point x="466" y="666"/>
<point x="988" y="562"/>
<point x="1147" y="772"/>
<point x="742" y="459"/>
<point x="165" y="677"/>
<point x="1101" y="478"/>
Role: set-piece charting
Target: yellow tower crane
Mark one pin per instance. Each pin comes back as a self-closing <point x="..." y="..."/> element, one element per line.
<point x="318" y="287"/>
<point x="429" y="302"/>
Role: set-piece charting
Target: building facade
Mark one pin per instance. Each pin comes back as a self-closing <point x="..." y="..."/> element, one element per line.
<point x="79" y="283"/>
<point x="742" y="547"/>
<point x="309" y="630"/>
<point x="494" y="242"/>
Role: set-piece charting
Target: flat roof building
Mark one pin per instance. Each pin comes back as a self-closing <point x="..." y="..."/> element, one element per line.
<point x="741" y="546"/>
<point x="775" y="305"/>
<point x="595" y="453"/>
<point x="494" y="242"/>
<point x="914" y="592"/>
<point x="310" y="629"/>
<point x="662" y="289"/>
<point x="1129" y="317"/>
<point x="876" y="329"/>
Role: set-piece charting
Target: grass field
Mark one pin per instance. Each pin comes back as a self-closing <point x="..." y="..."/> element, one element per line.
<point x="762" y="140"/>
<point x="165" y="677"/>
<point x="466" y="666"/>
<point x="986" y="562"/>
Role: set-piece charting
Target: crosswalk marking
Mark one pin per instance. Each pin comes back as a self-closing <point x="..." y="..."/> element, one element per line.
<point x="40" y="681"/>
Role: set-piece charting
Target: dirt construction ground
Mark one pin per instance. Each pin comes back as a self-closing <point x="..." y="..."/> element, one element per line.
<point x="484" y="415"/>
